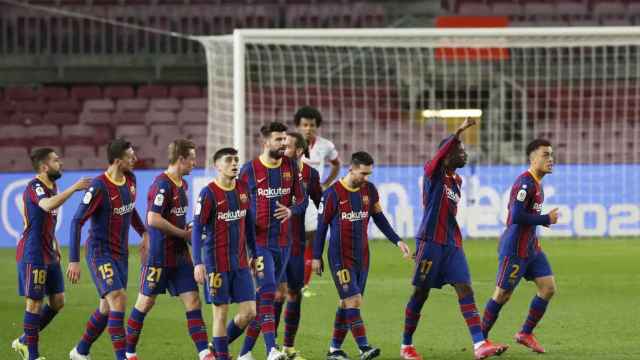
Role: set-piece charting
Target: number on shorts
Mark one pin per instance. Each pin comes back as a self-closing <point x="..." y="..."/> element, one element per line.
<point x="154" y="274"/>
<point x="260" y="263"/>
<point x="215" y="280"/>
<point x="344" y="276"/>
<point x="515" y="271"/>
<point x="425" y="266"/>
<point x="106" y="271"/>
<point x="39" y="276"/>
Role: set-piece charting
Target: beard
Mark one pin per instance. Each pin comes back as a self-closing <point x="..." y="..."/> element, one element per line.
<point x="276" y="154"/>
<point x="54" y="175"/>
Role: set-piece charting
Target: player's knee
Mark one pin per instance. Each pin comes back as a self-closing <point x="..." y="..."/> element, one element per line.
<point x="118" y="301"/>
<point x="33" y="305"/>
<point x="293" y="295"/>
<point x="464" y="290"/>
<point x="547" y="292"/>
<point x="56" y="302"/>
<point x="246" y="316"/>
<point x="502" y="296"/>
<point x="420" y="295"/>
<point x="145" y="303"/>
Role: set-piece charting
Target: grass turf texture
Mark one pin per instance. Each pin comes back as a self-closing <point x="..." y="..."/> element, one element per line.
<point x="593" y="316"/>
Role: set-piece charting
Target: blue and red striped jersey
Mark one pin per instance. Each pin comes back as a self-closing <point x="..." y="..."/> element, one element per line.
<point x="38" y="244"/>
<point x="268" y="185"/>
<point x="310" y="179"/>
<point x="111" y="207"/>
<point x="525" y="207"/>
<point x="347" y="211"/>
<point x="168" y="199"/>
<point x="223" y="228"/>
<point x="440" y="198"/>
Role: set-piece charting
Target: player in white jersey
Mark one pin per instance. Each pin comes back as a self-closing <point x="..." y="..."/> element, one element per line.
<point x="322" y="152"/>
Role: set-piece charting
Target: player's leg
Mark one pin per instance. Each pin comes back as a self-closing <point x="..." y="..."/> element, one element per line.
<point x="295" y="282"/>
<point x="144" y="304"/>
<point x="510" y="271"/>
<point x="220" y="339"/>
<point x="93" y="329"/>
<point x="308" y="257"/>
<point x="55" y="290"/>
<point x="426" y="275"/>
<point x="456" y="272"/>
<point x="246" y="314"/>
<point x="278" y="302"/>
<point x="180" y="282"/>
<point x="540" y="272"/>
<point x="266" y="310"/>
<point x="117" y="300"/>
<point x="31" y="284"/>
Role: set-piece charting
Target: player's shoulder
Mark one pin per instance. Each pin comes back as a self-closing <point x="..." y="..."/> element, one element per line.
<point x="130" y="176"/>
<point x="371" y="187"/>
<point x="324" y="141"/>
<point x="242" y="186"/>
<point x="524" y="180"/>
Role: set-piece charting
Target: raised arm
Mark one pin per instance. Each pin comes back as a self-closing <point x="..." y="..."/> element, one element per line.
<point x="449" y="145"/>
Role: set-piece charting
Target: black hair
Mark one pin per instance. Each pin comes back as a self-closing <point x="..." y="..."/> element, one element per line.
<point x="39" y="156"/>
<point x="224" y="152"/>
<point x="535" y="144"/>
<point x="361" y="158"/>
<point x="307" y="112"/>
<point x="272" y="127"/>
<point x="117" y="148"/>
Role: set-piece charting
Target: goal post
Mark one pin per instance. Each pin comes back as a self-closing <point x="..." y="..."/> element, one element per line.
<point x="397" y="92"/>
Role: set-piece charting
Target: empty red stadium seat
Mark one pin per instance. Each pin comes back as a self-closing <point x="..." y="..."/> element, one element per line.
<point x="60" y="118"/>
<point x="168" y="104"/>
<point x="68" y="105"/>
<point x="53" y="93"/>
<point x="160" y="117"/>
<point x="185" y="91"/>
<point x="200" y="104"/>
<point x="25" y="118"/>
<point x="119" y="92"/>
<point x="86" y="92"/>
<point x="192" y="117"/>
<point x="20" y="93"/>
<point x="153" y="91"/>
<point x="137" y="105"/>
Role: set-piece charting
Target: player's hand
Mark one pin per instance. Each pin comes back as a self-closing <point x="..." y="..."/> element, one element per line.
<point x="406" y="252"/>
<point x="554" y="215"/>
<point x="200" y="274"/>
<point x="468" y="122"/>
<point x="282" y="212"/>
<point x="73" y="272"/>
<point x="317" y="266"/>
<point x="82" y="184"/>
<point x="187" y="234"/>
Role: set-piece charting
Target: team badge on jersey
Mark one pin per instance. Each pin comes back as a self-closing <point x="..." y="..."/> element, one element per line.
<point x="365" y="200"/>
<point x="321" y="207"/>
<point x="159" y="200"/>
<point x="522" y="194"/>
<point x="87" y="196"/>
<point x="244" y="198"/>
<point x="133" y="189"/>
<point x="286" y="175"/>
<point x="39" y="190"/>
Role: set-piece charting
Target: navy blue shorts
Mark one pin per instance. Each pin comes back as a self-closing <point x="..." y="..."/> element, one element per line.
<point x="348" y="281"/>
<point x="294" y="273"/>
<point x="108" y="274"/>
<point x="229" y="287"/>
<point x="513" y="268"/>
<point x="271" y="266"/>
<point x="36" y="281"/>
<point x="156" y="280"/>
<point x="438" y="265"/>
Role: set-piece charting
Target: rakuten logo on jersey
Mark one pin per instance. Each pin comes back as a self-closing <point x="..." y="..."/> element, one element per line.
<point x="124" y="209"/>
<point x="452" y="195"/>
<point x="272" y="193"/>
<point x="179" y="211"/>
<point x="232" y="215"/>
<point x="354" y="215"/>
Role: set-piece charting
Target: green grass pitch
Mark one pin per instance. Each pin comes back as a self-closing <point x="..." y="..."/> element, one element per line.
<point x="595" y="314"/>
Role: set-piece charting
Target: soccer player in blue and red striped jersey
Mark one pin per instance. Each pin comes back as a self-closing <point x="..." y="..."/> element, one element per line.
<point x="294" y="278"/>
<point x="38" y="252"/>
<point x="110" y="203"/>
<point x="439" y="257"/>
<point x="223" y="243"/>
<point x="520" y="254"/>
<point x="166" y="261"/>
<point x="346" y="208"/>
<point x="276" y="194"/>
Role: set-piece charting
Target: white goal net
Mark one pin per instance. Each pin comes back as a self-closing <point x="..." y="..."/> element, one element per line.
<point x="397" y="93"/>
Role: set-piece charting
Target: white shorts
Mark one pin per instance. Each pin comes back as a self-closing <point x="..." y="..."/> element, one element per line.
<point x="311" y="218"/>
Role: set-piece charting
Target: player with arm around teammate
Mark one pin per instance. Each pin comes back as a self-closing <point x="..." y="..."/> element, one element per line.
<point x="38" y="251"/>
